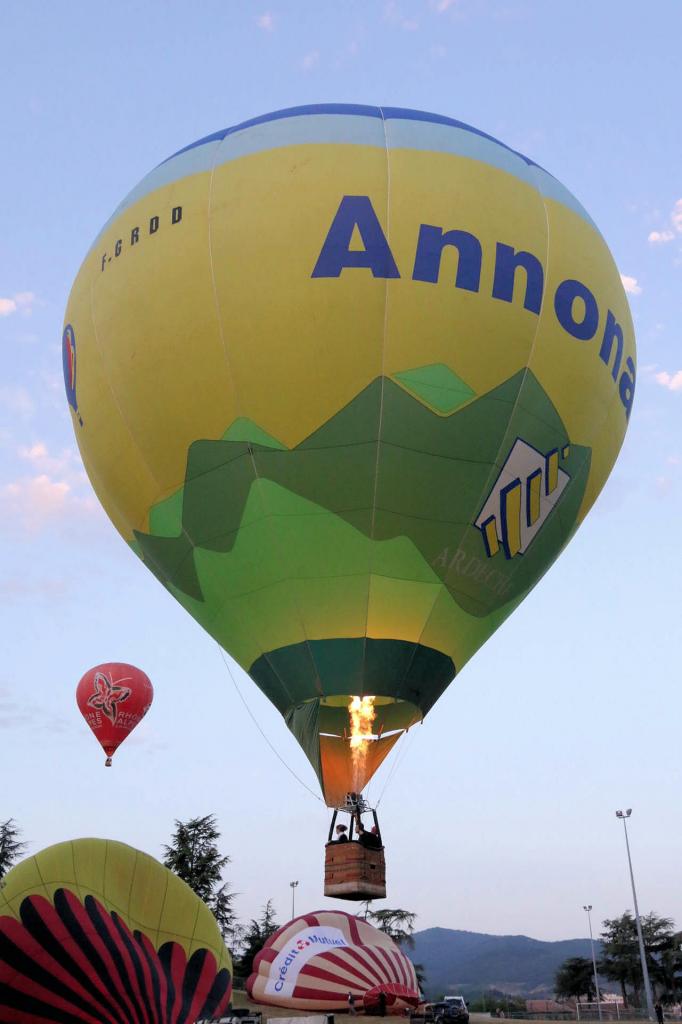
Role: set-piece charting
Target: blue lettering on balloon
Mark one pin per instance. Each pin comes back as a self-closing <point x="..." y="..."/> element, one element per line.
<point x="580" y="321"/>
<point x="507" y="261"/>
<point x="626" y="386"/>
<point x="612" y="332"/>
<point x="336" y="255"/>
<point x="432" y="241"/>
<point x="566" y="294"/>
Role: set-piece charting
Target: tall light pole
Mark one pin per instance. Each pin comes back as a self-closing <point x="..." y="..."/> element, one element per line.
<point x="588" y="908"/>
<point x="624" y="815"/>
<point x="293" y="899"/>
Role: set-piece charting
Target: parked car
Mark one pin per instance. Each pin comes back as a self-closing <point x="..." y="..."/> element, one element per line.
<point x="451" y="1010"/>
<point x="458" y="1001"/>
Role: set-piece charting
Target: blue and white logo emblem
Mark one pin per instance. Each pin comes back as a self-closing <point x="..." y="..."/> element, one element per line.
<point x="527" y="488"/>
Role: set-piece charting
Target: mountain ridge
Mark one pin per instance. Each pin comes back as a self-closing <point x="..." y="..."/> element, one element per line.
<point x="467" y="962"/>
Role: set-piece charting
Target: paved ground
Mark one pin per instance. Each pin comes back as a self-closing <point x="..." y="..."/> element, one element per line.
<point x="240" y="999"/>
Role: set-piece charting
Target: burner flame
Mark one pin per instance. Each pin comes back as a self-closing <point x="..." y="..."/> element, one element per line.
<point x="362" y="713"/>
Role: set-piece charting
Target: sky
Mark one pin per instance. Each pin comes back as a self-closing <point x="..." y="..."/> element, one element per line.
<point x="498" y="813"/>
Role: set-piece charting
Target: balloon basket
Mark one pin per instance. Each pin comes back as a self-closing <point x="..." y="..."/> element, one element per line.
<point x="353" y="872"/>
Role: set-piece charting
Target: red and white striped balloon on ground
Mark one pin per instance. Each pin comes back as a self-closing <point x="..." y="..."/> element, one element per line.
<point x="313" y="962"/>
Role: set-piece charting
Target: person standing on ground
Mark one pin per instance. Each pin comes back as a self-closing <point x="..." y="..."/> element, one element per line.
<point x="658" y="1010"/>
<point x="351" y="1005"/>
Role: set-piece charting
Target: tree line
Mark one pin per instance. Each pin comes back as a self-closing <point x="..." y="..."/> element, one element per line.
<point x="619" y="961"/>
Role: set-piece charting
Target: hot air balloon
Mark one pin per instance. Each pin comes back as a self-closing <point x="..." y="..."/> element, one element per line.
<point x="349" y="378"/>
<point x="314" y="961"/>
<point x="113" y="699"/>
<point x="93" y="930"/>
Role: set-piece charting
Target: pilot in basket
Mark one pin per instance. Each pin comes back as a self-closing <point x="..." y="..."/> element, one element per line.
<point x="354" y="865"/>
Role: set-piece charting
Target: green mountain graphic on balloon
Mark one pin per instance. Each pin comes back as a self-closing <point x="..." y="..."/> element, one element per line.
<point x="390" y="485"/>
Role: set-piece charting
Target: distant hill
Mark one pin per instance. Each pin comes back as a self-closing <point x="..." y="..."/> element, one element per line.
<point x="471" y="962"/>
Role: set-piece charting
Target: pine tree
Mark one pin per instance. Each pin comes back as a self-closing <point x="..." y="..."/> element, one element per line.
<point x="397" y="924"/>
<point x="254" y="938"/>
<point x="195" y="858"/>
<point x="11" y="846"/>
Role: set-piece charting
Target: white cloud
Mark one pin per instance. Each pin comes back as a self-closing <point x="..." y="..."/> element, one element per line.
<point x="16" y="712"/>
<point x="32" y="503"/>
<point x="676" y="216"/>
<point x="36" y="499"/>
<point x="444" y="5"/>
<point x="16" y="589"/>
<point x="53" y="380"/>
<point x="395" y="16"/>
<point x="148" y="738"/>
<point x="666" y="235"/>
<point x="266" y="22"/>
<point x="17" y="400"/>
<point x="21" y="302"/>
<point x="630" y="285"/>
<point x="66" y="465"/>
<point x="13" y="714"/>
<point x="35" y="452"/>
<point x="671" y="381"/>
<point x="310" y="60"/>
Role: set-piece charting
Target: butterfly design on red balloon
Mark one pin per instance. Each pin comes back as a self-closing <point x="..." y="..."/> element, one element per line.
<point x="107" y="696"/>
<point x="113" y="699"/>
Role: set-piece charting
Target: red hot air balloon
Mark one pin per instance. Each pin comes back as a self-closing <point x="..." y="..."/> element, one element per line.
<point x="112" y="699"/>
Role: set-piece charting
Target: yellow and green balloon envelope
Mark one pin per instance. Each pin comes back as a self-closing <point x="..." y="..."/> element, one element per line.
<point x="95" y="931"/>
<point x="348" y="379"/>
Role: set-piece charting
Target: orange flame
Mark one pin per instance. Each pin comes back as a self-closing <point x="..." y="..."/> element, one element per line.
<point x="362" y="714"/>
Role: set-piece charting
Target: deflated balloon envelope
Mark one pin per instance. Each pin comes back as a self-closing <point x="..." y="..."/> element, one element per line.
<point x="347" y="379"/>
<point x="313" y="962"/>
<point x="95" y="930"/>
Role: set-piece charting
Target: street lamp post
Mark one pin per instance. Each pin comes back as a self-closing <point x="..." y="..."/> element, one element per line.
<point x="588" y="908"/>
<point x="293" y="899"/>
<point x="624" y="815"/>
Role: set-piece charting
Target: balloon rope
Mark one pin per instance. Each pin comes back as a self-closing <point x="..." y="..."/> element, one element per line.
<point x="255" y="722"/>
<point x="394" y="767"/>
